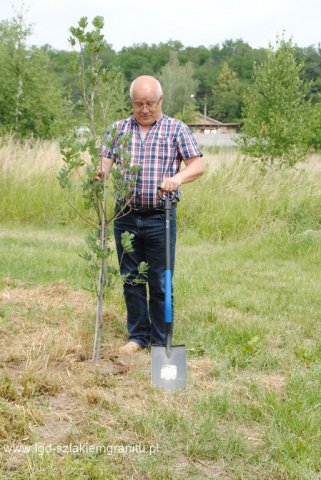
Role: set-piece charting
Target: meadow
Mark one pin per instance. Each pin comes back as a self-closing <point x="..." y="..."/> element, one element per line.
<point x="247" y="306"/>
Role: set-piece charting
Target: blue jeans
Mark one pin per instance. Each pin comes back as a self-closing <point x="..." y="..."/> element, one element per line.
<point x="145" y="302"/>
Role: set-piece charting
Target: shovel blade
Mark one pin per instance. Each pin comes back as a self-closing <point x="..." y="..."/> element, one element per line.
<point x="169" y="368"/>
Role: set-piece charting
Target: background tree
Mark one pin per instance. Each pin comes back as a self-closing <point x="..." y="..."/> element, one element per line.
<point x="276" y="109"/>
<point x="143" y="59"/>
<point x="314" y="134"/>
<point x="44" y="112"/>
<point x="241" y="57"/>
<point x="179" y="87"/>
<point x="226" y="96"/>
<point x="310" y="57"/>
<point x="111" y="97"/>
<point x="13" y="58"/>
<point x="26" y="107"/>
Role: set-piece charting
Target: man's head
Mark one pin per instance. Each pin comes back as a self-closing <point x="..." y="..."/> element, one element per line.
<point x="146" y="96"/>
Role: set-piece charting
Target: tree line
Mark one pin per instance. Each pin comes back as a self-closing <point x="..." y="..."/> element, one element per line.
<point x="40" y="93"/>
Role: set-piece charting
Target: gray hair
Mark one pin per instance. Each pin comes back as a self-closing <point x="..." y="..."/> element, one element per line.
<point x="132" y="86"/>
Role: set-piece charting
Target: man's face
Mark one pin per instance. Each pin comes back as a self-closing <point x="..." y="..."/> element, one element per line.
<point x="147" y="107"/>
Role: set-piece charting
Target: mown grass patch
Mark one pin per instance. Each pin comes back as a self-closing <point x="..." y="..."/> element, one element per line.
<point x="248" y="311"/>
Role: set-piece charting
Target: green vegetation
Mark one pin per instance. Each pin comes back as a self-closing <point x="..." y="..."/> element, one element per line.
<point x="217" y="77"/>
<point x="242" y="200"/>
<point x="276" y="111"/>
<point x="41" y="256"/>
<point x="26" y="107"/>
<point x="180" y="87"/>
<point x="227" y="95"/>
<point x="28" y="180"/>
<point x="247" y="305"/>
<point x="82" y="164"/>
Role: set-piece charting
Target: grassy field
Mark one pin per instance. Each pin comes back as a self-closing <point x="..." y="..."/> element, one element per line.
<point x="247" y="303"/>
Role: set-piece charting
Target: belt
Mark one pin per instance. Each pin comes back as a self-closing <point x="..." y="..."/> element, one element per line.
<point x="143" y="211"/>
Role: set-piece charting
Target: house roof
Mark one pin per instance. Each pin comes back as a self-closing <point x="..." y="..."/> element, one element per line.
<point x="204" y="121"/>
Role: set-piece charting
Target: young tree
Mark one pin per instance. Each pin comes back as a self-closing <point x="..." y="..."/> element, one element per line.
<point x="102" y="88"/>
<point x="111" y="98"/>
<point x="179" y="88"/>
<point x="82" y="161"/>
<point x="276" y="109"/>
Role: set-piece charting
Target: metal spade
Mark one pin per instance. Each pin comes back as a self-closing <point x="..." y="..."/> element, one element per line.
<point x="168" y="361"/>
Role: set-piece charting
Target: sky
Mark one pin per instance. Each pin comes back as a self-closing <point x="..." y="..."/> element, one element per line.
<point x="192" y="22"/>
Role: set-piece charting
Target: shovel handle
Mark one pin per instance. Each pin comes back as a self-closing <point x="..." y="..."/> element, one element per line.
<point x="165" y="195"/>
<point x="168" y="197"/>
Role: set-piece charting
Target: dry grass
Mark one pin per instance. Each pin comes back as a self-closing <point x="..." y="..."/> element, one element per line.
<point x="29" y="157"/>
<point x="54" y="394"/>
<point x="224" y="156"/>
<point x="22" y="160"/>
<point x="227" y="156"/>
<point x="32" y="156"/>
<point x="42" y="336"/>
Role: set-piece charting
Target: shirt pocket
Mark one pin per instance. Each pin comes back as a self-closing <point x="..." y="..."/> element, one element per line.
<point x="165" y="150"/>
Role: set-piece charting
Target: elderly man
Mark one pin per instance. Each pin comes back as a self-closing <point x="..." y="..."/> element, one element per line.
<point x="158" y="145"/>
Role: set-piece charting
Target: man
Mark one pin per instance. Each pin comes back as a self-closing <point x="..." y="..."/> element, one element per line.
<point x="158" y="145"/>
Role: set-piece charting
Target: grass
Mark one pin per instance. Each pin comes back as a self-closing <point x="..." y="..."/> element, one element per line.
<point x="28" y="178"/>
<point x="40" y="256"/>
<point x="247" y="305"/>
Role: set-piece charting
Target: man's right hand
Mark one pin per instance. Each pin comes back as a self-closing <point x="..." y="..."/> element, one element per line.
<point x="104" y="168"/>
<point x="170" y="184"/>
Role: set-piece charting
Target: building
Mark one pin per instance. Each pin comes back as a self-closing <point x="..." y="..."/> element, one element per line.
<point x="204" y="124"/>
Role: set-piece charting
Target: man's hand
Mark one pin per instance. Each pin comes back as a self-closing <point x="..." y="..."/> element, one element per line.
<point x="194" y="169"/>
<point x="170" y="184"/>
<point x="104" y="168"/>
<point x="101" y="175"/>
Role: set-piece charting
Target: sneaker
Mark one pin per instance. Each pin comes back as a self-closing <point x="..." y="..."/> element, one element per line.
<point x="130" y="347"/>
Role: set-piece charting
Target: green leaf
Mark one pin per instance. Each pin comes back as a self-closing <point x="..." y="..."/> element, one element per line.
<point x="127" y="241"/>
<point x="86" y="256"/>
<point x="98" y="22"/>
<point x="72" y="41"/>
<point x="83" y="22"/>
<point x="143" y="268"/>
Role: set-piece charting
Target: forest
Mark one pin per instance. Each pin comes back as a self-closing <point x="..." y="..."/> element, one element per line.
<point x="40" y="92"/>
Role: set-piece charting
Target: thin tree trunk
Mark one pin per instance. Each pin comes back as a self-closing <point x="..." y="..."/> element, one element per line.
<point x="102" y="281"/>
<point x="99" y="310"/>
<point x="19" y="94"/>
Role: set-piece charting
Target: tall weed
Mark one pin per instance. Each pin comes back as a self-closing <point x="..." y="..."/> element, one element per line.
<point x="232" y="200"/>
<point x="236" y="199"/>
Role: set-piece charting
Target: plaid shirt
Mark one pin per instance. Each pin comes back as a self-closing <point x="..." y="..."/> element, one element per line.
<point x="159" y="155"/>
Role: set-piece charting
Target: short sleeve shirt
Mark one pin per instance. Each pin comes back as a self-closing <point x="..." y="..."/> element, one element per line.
<point x="158" y="155"/>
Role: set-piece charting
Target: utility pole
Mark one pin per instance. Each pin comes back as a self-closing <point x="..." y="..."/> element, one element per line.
<point x="205" y="105"/>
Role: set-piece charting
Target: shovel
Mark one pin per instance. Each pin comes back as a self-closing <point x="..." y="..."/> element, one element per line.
<point x="168" y="361"/>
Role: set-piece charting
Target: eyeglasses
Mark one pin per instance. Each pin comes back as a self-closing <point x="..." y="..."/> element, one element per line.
<point x="148" y="105"/>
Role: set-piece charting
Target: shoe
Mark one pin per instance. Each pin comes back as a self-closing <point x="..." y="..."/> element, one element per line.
<point x="130" y="347"/>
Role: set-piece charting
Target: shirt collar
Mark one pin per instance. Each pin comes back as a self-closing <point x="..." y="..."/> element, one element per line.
<point x="155" y="123"/>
